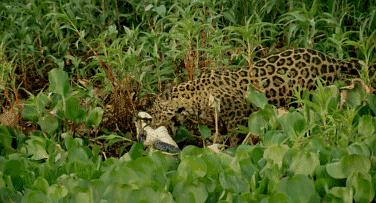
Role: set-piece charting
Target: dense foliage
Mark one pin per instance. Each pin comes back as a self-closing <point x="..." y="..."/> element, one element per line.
<point x="55" y="57"/>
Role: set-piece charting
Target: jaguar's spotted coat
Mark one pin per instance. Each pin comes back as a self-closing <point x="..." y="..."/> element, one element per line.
<point x="277" y="75"/>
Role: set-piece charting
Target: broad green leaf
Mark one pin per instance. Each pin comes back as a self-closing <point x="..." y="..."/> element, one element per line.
<point x="190" y="151"/>
<point x="248" y="157"/>
<point x="356" y="163"/>
<point x="233" y="181"/>
<point x="70" y="142"/>
<point x="57" y="192"/>
<point x="41" y="101"/>
<point x="257" y="98"/>
<point x="336" y="170"/>
<point x="184" y="192"/>
<point x="83" y="196"/>
<point x="182" y="134"/>
<point x="213" y="164"/>
<point x="354" y="98"/>
<point x="95" y="117"/>
<point x="204" y="131"/>
<point x="359" y="148"/>
<point x="371" y="144"/>
<point x="276" y="197"/>
<point x="78" y="155"/>
<point x="30" y="112"/>
<point x="340" y="194"/>
<point x="372" y="102"/>
<point x="18" y="174"/>
<point x="276" y="153"/>
<point x="322" y="184"/>
<point x="161" y="10"/>
<point x="304" y="163"/>
<point x="48" y="123"/>
<point x="366" y="126"/>
<point x="36" y="146"/>
<point x="254" y="153"/>
<point x="192" y="167"/>
<point x="41" y="184"/>
<point x="35" y="196"/>
<point x="293" y="123"/>
<point x="136" y="151"/>
<point x="73" y="110"/>
<point x="5" y="140"/>
<point x="298" y="188"/>
<point x="59" y="81"/>
<point x="364" y="190"/>
<point x="347" y="165"/>
<point x="257" y="123"/>
<point x="147" y="194"/>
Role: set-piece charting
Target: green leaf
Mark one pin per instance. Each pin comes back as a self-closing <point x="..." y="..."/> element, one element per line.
<point x="182" y="134"/>
<point x="293" y="123"/>
<point x="59" y="81"/>
<point x="136" y="151"/>
<point x="73" y="110"/>
<point x="257" y="98"/>
<point x="257" y="123"/>
<point x="161" y="10"/>
<point x="30" y="112"/>
<point x="372" y="102"/>
<point x="366" y="126"/>
<point x="275" y="153"/>
<point x="5" y="140"/>
<point x="359" y="148"/>
<point x="41" y="101"/>
<point x="248" y="157"/>
<point x="277" y="197"/>
<point x="36" y="146"/>
<point x="184" y="192"/>
<point x="363" y="187"/>
<point x="347" y="165"/>
<point x="57" y="192"/>
<point x="190" y="151"/>
<point x="82" y="196"/>
<point x="336" y="170"/>
<point x="95" y="117"/>
<point x="41" y="184"/>
<point x="191" y="168"/>
<point x="340" y="194"/>
<point x="233" y="182"/>
<point x="145" y="194"/>
<point x="273" y="137"/>
<point x="354" y="98"/>
<point x="48" y="123"/>
<point x="298" y="188"/>
<point x="35" y="196"/>
<point x="304" y="163"/>
<point x="204" y="131"/>
<point x="18" y="173"/>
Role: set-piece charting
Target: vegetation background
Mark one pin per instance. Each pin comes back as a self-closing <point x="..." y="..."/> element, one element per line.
<point x="64" y="63"/>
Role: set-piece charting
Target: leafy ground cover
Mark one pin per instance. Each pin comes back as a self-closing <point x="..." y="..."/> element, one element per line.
<point x="72" y="74"/>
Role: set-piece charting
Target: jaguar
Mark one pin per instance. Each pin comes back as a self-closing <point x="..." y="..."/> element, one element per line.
<point x="277" y="75"/>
